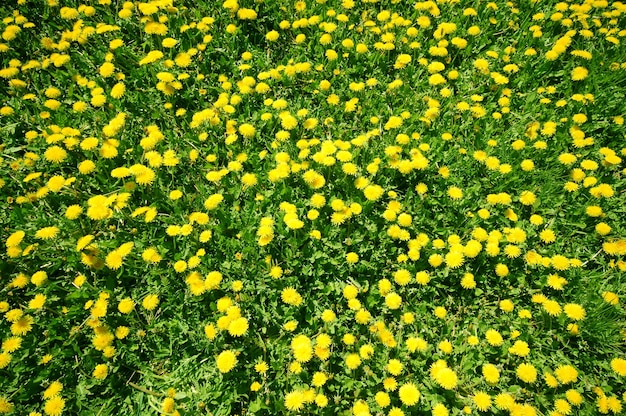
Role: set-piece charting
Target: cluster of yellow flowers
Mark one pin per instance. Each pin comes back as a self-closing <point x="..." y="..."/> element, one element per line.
<point x="355" y="207"/>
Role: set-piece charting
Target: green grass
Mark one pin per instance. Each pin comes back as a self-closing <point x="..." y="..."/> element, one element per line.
<point x="476" y="131"/>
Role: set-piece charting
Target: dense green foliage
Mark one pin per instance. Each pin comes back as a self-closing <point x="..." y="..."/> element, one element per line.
<point x="316" y="207"/>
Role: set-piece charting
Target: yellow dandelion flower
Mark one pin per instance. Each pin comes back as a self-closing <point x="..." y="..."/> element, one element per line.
<point x="482" y="401"/>
<point x="47" y="233"/>
<point x="409" y="394"/>
<point x="100" y="371"/>
<point x="526" y="372"/>
<point x="579" y="73"/>
<point x="150" y="302"/>
<point x="226" y="361"/>
<point x="294" y="400"/>
<point x="291" y="296"/>
<point x="54" y="406"/>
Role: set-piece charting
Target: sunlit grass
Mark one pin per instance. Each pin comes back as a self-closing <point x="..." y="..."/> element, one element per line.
<point x="313" y="207"/>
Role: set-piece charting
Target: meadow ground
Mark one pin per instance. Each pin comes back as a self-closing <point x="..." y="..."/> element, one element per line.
<point x="312" y="207"/>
